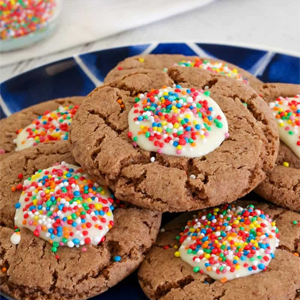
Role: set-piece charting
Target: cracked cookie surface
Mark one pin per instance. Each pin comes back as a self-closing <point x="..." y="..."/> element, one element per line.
<point x="282" y="185"/>
<point x="163" y="276"/>
<point x="10" y="125"/>
<point x="32" y="270"/>
<point x="99" y="142"/>
<point x="160" y="62"/>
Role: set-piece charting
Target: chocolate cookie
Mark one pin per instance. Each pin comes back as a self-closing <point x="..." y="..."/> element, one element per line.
<point x="35" y="269"/>
<point x="12" y="126"/>
<point x="282" y="185"/>
<point x="102" y="143"/>
<point x="162" y="62"/>
<point x="165" y="275"/>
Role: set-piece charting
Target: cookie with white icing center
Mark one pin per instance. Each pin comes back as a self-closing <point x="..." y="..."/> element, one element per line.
<point x="41" y="123"/>
<point x="66" y="245"/>
<point x="162" y="62"/>
<point x="181" y="140"/>
<point x="237" y="264"/>
<point x="282" y="185"/>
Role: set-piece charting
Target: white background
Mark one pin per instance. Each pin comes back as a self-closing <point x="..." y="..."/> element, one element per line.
<point x="270" y="24"/>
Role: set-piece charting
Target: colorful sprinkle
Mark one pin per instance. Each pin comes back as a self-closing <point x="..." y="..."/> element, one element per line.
<point x="215" y="67"/>
<point x="296" y="222"/>
<point x="120" y="102"/>
<point x="52" y="126"/>
<point x="117" y="258"/>
<point x="177" y="121"/>
<point x="22" y="17"/>
<point x="65" y="207"/>
<point x="177" y="254"/>
<point x="229" y="242"/>
<point x="287" y="114"/>
<point x="286" y="164"/>
<point x="15" y="238"/>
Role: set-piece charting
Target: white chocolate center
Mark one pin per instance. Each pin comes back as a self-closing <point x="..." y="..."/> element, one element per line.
<point x="49" y="127"/>
<point x="239" y="262"/>
<point x="65" y="210"/>
<point x="177" y="122"/>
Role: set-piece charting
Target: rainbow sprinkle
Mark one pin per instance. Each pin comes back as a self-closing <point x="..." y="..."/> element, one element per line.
<point x="52" y="126"/>
<point x="22" y="17"/>
<point x="229" y="242"/>
<point x="65" y="207"/>
<point x="215" y="67"/>
<point x="177" y="117"/>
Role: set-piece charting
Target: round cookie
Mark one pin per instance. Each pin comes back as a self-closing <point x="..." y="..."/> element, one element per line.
<point x="30" y="270"/>
<point x="162" y="62"/>
<point x="12" y="124"/>
<point x="100" y="143"/>
<point x="282" y="185"/>
<point x="163" y="276"/>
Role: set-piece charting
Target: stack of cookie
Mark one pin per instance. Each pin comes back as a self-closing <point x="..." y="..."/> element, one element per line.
<point x="82" y="198"/>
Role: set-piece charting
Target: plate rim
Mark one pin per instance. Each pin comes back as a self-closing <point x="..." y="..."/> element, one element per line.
<point x="154" y="44"/>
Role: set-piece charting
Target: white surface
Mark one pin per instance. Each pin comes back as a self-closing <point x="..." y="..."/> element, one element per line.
<point x="86" y="21"/>
<point x="261" y="23"/>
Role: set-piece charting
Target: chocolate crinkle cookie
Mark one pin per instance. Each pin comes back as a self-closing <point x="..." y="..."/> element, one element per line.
<point x="282" y="185"/>
<point x="63" y="236"/>
<point x="179" y="140"/>
<point x="40" y="123"/>
<point x="244" y="250"/>
<point x="162" y="62"/>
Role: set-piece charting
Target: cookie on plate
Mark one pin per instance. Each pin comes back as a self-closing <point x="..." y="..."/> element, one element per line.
<point x="47" y="121"/>
<point x="226" y="253"/>
<point x="72" y="240"/>
<point x="177" y="148"/>
<point x="162" y="62"/>
<point x="282" y="185"/>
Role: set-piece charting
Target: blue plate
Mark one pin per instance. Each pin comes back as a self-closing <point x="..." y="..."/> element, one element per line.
<point x="78" y="75"/>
